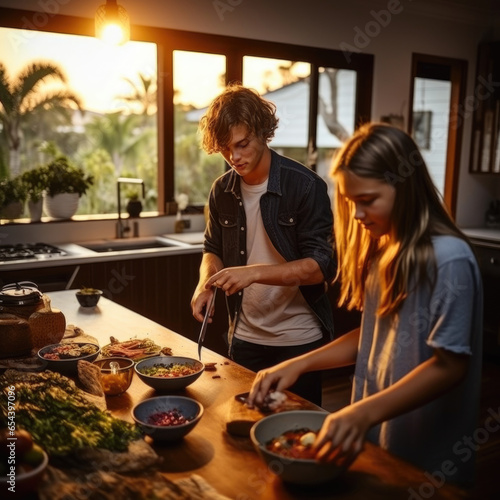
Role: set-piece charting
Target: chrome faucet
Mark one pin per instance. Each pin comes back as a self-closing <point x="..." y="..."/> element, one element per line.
<point x="121" y="229"/>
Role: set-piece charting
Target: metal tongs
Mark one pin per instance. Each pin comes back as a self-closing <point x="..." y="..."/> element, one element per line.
<point x="204" y="325"/>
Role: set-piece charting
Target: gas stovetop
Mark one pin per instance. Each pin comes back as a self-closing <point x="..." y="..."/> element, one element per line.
<point x="26" y="251"/>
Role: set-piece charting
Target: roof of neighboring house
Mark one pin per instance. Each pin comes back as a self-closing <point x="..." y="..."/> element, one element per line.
<point x="292" y="109"/>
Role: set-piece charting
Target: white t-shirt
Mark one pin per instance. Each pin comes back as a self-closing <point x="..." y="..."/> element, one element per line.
<point x="271" y="315"/>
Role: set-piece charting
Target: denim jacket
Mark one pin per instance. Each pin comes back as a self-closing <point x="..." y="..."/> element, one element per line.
<point x="297" y="215"/>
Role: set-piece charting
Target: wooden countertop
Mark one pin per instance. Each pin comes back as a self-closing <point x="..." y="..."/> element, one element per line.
<point x="229" y="463"/>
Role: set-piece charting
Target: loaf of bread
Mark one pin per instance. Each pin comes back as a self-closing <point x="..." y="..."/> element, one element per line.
<point x="15" y="336"/>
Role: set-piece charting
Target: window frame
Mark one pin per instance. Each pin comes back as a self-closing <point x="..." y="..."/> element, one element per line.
<point x="233" y="48"/>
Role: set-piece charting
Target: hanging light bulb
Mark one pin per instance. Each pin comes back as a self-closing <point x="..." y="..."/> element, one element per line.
<point x="112" y="23"/>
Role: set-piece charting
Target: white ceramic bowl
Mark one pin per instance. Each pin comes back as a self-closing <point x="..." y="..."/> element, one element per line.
<point x="67" y="366"/>
<point x="164" y="384"/>
<point x="187" y="407"/>
<point x="292" y="470"/>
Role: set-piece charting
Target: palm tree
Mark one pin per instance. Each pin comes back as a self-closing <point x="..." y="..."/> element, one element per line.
<point x="119" y="135"/>
<point x="144" y="97"/>
<point x="23" y="96"/>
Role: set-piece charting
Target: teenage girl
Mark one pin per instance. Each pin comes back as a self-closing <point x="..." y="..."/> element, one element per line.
<point x="412" y="272"/>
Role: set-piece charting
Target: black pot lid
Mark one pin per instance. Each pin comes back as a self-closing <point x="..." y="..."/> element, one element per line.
<point x="21" y="293"/>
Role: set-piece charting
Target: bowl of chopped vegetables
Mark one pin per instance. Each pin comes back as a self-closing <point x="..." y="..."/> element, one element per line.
<point x="284" y="441"/>
<point x="64" y="357"/>
<point x="167" y="418"/>
<point x="169" y="373"/>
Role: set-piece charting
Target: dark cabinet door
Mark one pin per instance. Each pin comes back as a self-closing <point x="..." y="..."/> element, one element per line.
<point x="489" y="261"/>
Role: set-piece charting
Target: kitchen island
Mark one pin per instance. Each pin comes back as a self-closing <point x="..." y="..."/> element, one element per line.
<point x="228" y="463"/>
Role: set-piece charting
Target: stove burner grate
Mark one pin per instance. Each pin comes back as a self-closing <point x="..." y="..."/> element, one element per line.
<point x="23" y="251"/>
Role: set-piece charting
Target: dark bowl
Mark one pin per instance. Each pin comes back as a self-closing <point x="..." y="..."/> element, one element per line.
<point x="67" y="366"/>
<point x="88" y="299"/>
<point x="292" y="470"/>
<point x="189" y="408"/>
<point x="173" y="383"/>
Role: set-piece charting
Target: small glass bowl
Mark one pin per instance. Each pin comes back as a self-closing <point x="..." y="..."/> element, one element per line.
<point x="115" y="382"/>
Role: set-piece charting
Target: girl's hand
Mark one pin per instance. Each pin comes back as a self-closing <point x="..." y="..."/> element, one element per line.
<point x="278" y="378"/>
<point x="342" y="435"/>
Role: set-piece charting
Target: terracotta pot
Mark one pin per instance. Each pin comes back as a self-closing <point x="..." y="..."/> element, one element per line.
<point x="61" y="206"/>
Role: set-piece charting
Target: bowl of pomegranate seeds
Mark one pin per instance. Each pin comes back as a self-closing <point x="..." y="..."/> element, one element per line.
<point x="167" y="418"/>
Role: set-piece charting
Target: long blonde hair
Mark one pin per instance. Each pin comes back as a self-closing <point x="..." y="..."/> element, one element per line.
<point x="388" y="154"/>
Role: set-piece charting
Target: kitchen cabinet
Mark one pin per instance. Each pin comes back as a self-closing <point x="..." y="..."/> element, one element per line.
<point x="485" y="148"/>
<point x="489" y="261"/>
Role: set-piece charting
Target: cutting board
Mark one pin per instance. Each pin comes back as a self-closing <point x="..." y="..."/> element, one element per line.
<point x="240" y="418"/>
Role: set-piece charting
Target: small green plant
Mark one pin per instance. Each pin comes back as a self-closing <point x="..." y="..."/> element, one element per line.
<point x="12" y="190"/>
<point x="64" y="177"/>
<point x="61" y="175"/>
<point x="35" y="182"/>
<point x="132" y="194"/>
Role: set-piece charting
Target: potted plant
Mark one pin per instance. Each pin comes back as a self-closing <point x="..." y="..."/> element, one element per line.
<point x="65" y="183"/>
<point x="134" y="204"/>
<point x="35" y="181"/>
<point x="12" y="198"/>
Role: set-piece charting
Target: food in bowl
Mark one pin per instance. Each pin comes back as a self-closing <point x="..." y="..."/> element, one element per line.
<point x="169" y="373"/>
<point x="116" y="375"/>
<point x="64" y="357"/>
<point x="172" y="370"/>
<point x="170" y="417"/>
<point x="291" y="469"/>
<point x="295" y="443"/>
<point x="69" y="351"/>
<point x="167" y="418"/>
<point x="88" y="297"/>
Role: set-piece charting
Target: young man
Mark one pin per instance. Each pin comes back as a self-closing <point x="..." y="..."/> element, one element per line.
<point x="268" y="243"/>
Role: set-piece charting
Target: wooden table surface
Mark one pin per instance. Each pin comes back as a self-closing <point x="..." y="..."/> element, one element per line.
<point x="230" y="463"/>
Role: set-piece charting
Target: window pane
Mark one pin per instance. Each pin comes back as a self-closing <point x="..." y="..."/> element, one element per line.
<point x="431" y="106"/>
<point x="286" y="84"/>
<point x="115" y="135"/>
<point x="198" y="79"/>
<point x="336" y="107"/>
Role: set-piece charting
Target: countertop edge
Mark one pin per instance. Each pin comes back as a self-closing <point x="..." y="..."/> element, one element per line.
<point x="95" y="257"/>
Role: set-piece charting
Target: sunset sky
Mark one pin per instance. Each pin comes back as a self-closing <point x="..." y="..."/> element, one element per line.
<point x="95" y="70"/>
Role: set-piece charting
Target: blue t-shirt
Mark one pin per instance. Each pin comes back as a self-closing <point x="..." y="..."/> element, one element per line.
<point x="437" y="436"/>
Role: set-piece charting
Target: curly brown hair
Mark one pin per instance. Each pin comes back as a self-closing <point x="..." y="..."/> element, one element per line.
<point x="237" y="105"/>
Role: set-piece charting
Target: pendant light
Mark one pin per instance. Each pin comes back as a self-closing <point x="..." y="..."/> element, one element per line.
<point x="112" y="23"/>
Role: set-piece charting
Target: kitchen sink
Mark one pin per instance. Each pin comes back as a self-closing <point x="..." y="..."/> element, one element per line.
<point x="126" y="244"/>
